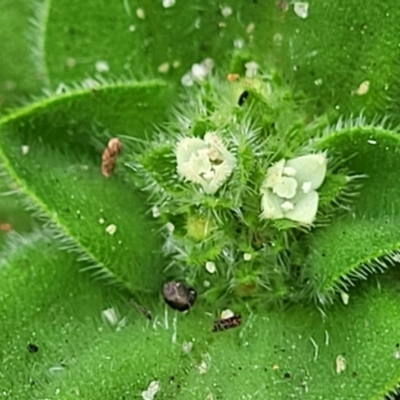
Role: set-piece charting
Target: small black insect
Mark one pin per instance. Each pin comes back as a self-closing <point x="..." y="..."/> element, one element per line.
<point x="243" y="97"/>
<point x="179" y="296"/>
<point x="142" y="309"/>
<point x="33" y="348"/>
<point x="227" y="323"/>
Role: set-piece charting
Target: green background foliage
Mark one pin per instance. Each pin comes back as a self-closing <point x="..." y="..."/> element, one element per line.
<point x="49" y="291"/>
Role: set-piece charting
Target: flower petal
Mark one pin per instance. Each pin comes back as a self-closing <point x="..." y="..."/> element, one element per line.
<point x="305" y="208"/>
<point x="274" y="174"/>
<point x="310" y="168"/>
<point x="270" y="205"/>
<point x="285" y="187"/>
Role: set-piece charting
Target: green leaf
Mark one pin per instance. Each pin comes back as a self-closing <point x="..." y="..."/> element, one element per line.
<point x="61" y="175"/>
<point x="46" y="302"/>
<point x="368" y="240"/>
<point x="20" y="73"/>
<point x="289" y="354"/>
<point x="337" y="48"/>
<point x="78" y="35"/>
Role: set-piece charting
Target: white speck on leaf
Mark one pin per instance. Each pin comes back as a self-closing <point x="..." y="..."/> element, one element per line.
<point x="278" y="39"/>
<point x="155" y="212"/>
<point x="163" y="68"/>
<point x="110" y="315"/>
<point x="225" y="314"/>
<point x="187" y="347"/>
<point x="90" y="83"/>
<point x="397" y="354"/>
<point x="370" y="141"/>
<point x="363" y="88"/>
<point x="250" y="28"/>
<point x="198" y="72"/>
<point x="247" y="256"/>
<point x="210" y="267"/>
<point x="226" y="11"/>
<point x="102" y="66"/>
<point x="170" y="227"/>
<point x="140" y="13"/>
<point x="301" y="9"/>
<point x="238" y="43"/>
<point x="251" y="69"/>
<point x="25" y="149"/>
<point x="340" y="364"/>
<point x="187" y="80"/>
<point x="111" y="229"/>
<point x="151" y="391"/>
<point x="132" y="28"/>
<point x="101" y="221"/>
<point x="202" y="368"/>
<point x="345" y="298"/>
<point x="168" y="3"/>
<point x="70" y="62"/>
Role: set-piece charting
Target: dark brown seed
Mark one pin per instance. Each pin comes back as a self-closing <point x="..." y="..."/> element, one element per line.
<point x="227" y="323"/>
<point x="243" y="97"/>
<point x="179" y="296"/>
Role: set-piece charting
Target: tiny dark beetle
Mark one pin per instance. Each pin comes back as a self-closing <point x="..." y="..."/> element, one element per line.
<point x="243" y="97"/>
<point x="33" y="348"/>
<point x="179" y="296"/>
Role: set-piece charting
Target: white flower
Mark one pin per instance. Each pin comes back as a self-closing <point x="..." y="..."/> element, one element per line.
<point x="289" y="189"/>
<point x="205" y="161"/>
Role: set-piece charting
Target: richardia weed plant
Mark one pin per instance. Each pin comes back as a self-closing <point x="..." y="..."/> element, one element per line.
<point x="204" y="204"/>
<point x="240" y="180"/>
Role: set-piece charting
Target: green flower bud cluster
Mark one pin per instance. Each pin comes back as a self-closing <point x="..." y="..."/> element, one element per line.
<point x="239" y="184"/>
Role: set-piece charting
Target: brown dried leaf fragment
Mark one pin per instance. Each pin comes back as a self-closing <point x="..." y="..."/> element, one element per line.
<point x="109" y="156"/>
